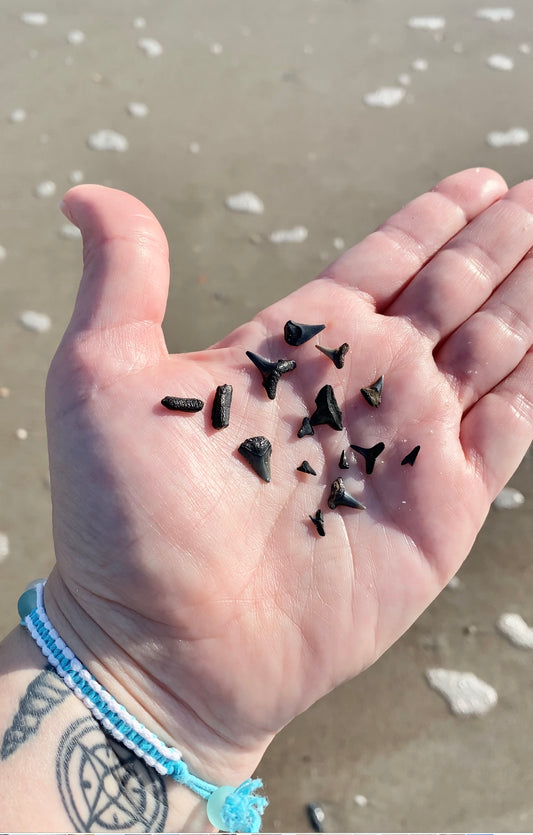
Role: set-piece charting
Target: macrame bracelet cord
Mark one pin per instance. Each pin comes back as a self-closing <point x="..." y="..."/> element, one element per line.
<point x="228" y="808"/>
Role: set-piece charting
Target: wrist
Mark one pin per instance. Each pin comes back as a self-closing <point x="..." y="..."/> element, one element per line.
<point x="205" y="754"/>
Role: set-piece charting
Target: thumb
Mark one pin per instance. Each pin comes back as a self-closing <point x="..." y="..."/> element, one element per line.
<point x="125" y="260"/>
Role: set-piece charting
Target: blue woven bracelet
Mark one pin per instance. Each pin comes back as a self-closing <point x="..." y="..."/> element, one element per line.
<point x="228" y="808"/>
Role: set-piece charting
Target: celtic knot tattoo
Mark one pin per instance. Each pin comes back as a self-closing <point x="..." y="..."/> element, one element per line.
<point x="42" y="695"/>
<point x="104" y="787"/>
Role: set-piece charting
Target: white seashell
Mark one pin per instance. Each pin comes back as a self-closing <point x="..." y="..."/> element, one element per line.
<point x="107" y="140"/>
<point x="466" y="694"/>
<point x="38" y="322"/>
<point x="245" y="201"/>
<point x="515" y="628"/>
<point x="508" y="499"/>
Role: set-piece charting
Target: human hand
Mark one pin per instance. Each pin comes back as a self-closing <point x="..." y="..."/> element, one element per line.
<point x="205" y="593"/>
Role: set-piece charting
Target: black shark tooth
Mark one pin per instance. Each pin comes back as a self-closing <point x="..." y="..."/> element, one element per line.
<point x="297" y="334"/>
<point x="221" y="406"/>
<point x="318" y="522"/>
<point x="410" y="458"/>
<point x="305" y="428"/>
<point x="327" y="409"/>
<point x="183" y="404"/>
<point x="343" y="461"/>
<point x="372" y="394"/>
<point x="339" y="495"/>
<point x="257" y="452"/>
<point x="271" y="371"/>
<point x="370" y="454"/>
<point x="336" y="355"/>
<point x="305" y="467"/>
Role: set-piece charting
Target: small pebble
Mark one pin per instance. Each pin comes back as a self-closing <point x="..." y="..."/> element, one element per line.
<point x="432" y="24"/>
<point x="18" y="115"/>
<point x="296" y="235"/>
<point x="34" y="18"/>
<point x="76" y="176"/>
<point x="245" y="201"/>
<point x="361" y="800"/>
<point x="466" y="694"/>
<point x="107" y="140"/>
<point x="500" y="62"/>
<point x="38" y="322"/>
<point x="68" y="230"/>
<point x="514" y="136"/>
<point x="150" y="47"/>
<point x="22" y="434"/>
<point x="384" y="97"/>
<point x="508" y="499"/>
<point x="138" y="109"/>
<point x="45" y="189"/>
<point x="4" y="545"/>
<point x="338" y="243"/>
<point x="516" y="630"/>
<point x="495" y="15"/>
<point x="75" y="37"/>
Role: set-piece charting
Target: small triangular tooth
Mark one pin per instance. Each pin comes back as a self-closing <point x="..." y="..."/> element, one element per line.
<point x="340" y="496"/>
<point x="305" y="428"/>
<point x="296" y="333"/>
<point x="373" y="393"/>
<point x="318" y="522"/>
<point x="410" y="458"/>
<point x="257" y="451"/>
<point x="305" y="467"/>
<point x="336" y="355"/>
<point x="327" y="409"/>
<point x="370" y="454"/>
<point x="343" y="461"/>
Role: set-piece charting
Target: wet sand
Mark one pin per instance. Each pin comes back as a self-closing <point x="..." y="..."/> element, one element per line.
<point x="270" y="98"/>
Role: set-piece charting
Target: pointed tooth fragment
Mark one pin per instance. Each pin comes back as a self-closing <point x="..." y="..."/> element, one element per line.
<point x="339" y="495"/>
<point x="410" y="458"/>
<point x="271" y="371"/>
<point x="318" y="522"/>
<point x="305" y="428"/>
<point x="296" y="333"/>
<point x="257" y="451"/>
<point x="336" y="355"/>
<point x="370" y="454"/>
<point x="343" y="461"/>
<point x="305" y="467"/>
<point x="327" y="409"/>
<point x="372" y="394"/>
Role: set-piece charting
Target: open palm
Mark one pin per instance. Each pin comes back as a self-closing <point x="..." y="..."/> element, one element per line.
<point x="213" y="585"/>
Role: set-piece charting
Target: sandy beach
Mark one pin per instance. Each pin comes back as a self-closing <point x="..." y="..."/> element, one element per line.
<point x="334" y="113"/>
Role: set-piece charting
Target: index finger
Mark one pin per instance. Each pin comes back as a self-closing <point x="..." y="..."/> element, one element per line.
<point x="385" y="261"/>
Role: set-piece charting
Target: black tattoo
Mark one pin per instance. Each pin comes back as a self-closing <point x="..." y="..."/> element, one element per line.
<point x="104" y="787"/>
<point x="42" y="695"/>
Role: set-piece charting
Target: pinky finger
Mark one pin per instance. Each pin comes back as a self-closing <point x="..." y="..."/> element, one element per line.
<point x="498" y="429"/>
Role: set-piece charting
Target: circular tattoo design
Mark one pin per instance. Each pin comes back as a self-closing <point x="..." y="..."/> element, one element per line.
<point x="104" y="787"/>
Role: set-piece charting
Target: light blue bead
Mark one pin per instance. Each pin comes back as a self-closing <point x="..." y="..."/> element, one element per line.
<point x="27" y="603"/>
<point x="215" y="803"/>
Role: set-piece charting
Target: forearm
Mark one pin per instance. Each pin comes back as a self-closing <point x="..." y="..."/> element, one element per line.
<point x="60" y="772"/>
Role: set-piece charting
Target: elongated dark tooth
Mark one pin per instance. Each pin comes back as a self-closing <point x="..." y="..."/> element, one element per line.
<point x="305" y="428"/>
<point x="370" y="454"/>
<point x="271" y="371"/>
<point x="318" y="522"/>
<point x="221" y="406"/>
<point x="305" y="467"/>
<point x="372" y="394"/>
<point x="297" y="334"/>
<point x="257" y="452"/>
<point x="339" y="495"/>
<point x="336" y="355"/>
<point x="327" y="409"/>
<point x="411" y="457"/>
<point x="182" y="404"/>
<point x="343" y="461"/>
